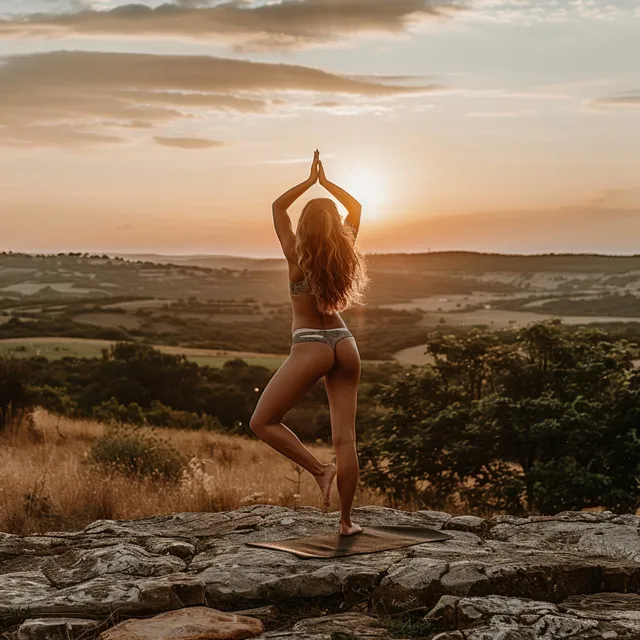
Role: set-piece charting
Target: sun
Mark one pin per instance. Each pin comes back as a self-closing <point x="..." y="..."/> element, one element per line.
<point x="370" y="188"/>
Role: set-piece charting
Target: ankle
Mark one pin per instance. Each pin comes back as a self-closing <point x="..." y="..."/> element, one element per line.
<point x="322" y="469"/>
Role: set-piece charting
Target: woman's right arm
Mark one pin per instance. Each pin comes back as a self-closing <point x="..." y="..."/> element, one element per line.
<point x="353" y="207"/>
<point x="281" y="219"/>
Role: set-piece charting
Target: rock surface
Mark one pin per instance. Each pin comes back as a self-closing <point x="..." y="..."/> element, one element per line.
<point x="595" y="617"/>
<point x="55" y="628"/>
<point x="519" y="577"/>
<point x="192" y="623"/>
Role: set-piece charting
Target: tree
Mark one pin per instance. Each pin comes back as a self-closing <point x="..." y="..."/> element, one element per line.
<point x="15" y="397"/>
<point x="56" y="400"/>
<point x="544" y="422"/>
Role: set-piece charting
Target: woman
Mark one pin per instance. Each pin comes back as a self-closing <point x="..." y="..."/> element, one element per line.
<point x="326" y="275"/>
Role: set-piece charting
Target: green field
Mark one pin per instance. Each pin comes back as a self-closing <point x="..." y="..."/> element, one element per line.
<point x="241" y="308"/>
<point x="56" y="348"/>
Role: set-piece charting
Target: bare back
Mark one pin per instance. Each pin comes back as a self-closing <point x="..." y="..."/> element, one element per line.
<point x="305" y="310"/>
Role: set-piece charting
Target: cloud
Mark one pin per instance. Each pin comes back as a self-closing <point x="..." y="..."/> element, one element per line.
<point x="78" y="98"/>
<point x="188" y="143"/>
<point x="629" y="100"/>
<point x="274" y="25"/>
<point x="521" y="113"/>
<point x="405" y="79"/>
<point x="16" y="8"/>
<point x="529" y="12"/>
<point x="57" y="135"/>
<point x="347" y="109"/>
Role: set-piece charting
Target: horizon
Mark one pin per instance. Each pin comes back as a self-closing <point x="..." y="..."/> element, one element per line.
<point x="496" y="126"/>
<point x="126" y="255"/>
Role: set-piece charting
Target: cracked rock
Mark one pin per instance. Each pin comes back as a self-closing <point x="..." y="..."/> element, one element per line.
<point x="581" y="571"/>
<point x="505" y="618"/>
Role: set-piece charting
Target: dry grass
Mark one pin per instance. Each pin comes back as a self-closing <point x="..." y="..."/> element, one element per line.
<point x="47" y="485"/>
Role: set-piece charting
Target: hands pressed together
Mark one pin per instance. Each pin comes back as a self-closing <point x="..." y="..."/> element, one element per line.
<point x="281" y="204"/>
<point x="317" y="170"/>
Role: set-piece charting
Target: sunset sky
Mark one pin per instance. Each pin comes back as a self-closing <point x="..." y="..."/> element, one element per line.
<point x="489" y="125"/>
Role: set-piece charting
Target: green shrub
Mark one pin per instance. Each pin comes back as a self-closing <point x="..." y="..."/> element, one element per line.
<point x="159" y="415"/>
<point x="54" y="399"/>
<point x="112" y="412"/>
<point x="128" y="449"/>
<point x="545" y="424"/>
<point x="406" y="625"/>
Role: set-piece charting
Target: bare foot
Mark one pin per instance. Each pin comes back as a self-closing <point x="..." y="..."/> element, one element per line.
<point x="325" y="480"/>
<point x="349" y="530"/>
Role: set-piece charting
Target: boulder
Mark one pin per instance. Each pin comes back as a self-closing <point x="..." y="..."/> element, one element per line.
<point x="191" y="623"/>
<point x="169" y="546"/>
<point x="341" y="626"/>
<point x="468" y="523"/>
<point x="55" y="628"/>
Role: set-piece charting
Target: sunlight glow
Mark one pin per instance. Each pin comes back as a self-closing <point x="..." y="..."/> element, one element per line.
<point x="368" y="185"/>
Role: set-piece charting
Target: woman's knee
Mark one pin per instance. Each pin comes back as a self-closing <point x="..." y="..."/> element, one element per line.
<point x="259" y="422"/>
<point x="344" y="438"/>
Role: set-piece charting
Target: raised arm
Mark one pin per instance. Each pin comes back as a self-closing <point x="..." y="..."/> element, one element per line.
<point x="353" y="207"/>
<point x="281" y="219"/>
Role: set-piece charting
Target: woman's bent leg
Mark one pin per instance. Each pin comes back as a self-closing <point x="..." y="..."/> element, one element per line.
<point x="307" y="363"/>
<point x="342" y="390"/>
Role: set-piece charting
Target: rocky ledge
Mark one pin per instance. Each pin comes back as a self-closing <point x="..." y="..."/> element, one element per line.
<point x="573" y="575"/>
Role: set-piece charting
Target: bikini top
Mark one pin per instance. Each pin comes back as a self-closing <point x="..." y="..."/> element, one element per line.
<point x="300" y="288"/>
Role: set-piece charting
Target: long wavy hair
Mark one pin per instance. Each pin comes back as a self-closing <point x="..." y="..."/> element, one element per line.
<point x="327" y="255"/>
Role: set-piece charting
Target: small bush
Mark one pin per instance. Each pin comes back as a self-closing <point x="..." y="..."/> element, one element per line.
<point x="406" y="625"/>
<point x="127" y="449"/>
<point x="158" y="415"/>
<point x="112" y="412"/>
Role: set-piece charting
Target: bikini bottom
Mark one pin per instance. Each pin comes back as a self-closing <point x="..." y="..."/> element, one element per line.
<point x="328" y="336"/>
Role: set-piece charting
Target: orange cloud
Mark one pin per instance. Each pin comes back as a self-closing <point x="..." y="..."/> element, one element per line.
<point x="188" y="143"/>
<point x="78" y="98"/>
<point x="288" y="24"/>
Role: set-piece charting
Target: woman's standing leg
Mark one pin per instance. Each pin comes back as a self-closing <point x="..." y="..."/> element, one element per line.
<point x="342" y="390"/>
<point x="307" y="363"/>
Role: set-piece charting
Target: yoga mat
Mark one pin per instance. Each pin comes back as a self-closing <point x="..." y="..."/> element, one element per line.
<point x="372" y="539"/>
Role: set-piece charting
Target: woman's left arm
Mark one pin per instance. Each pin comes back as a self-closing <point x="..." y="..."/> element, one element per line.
<point x="281" y="219"/>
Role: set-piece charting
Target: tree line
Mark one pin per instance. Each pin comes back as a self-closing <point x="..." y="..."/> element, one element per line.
<point x="134" y="383"/>
<point x="536" y="420"/>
